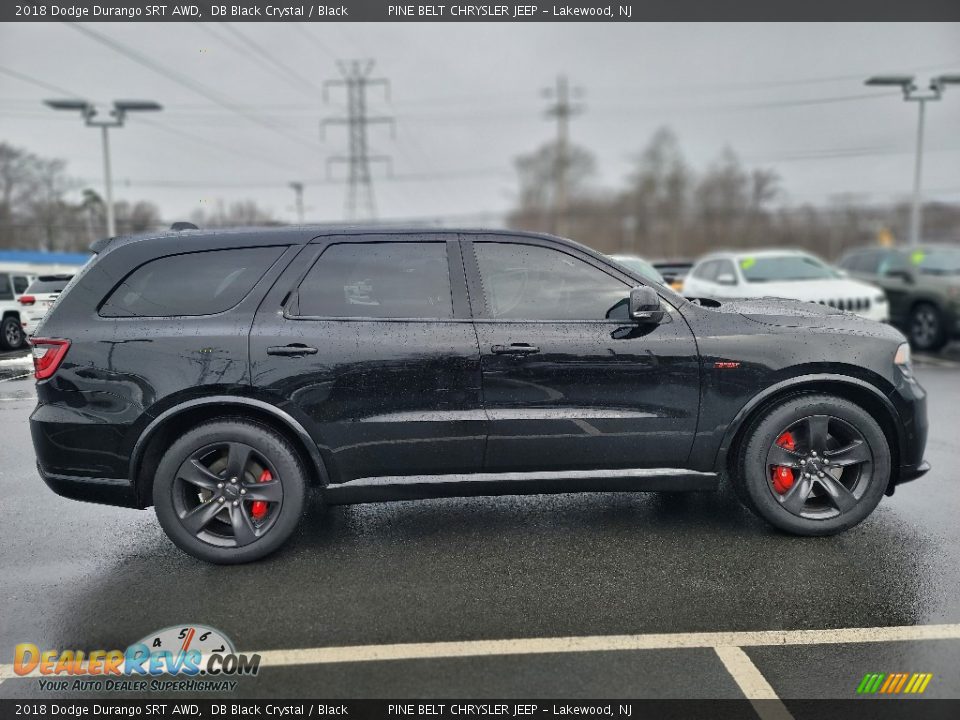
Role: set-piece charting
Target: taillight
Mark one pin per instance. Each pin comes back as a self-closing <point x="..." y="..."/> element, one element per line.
<point x="47" y="356"/>
<point x="27" y="300"/>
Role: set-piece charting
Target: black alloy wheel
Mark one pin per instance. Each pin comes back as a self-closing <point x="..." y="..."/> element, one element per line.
<point x="813" y="464"/>
<point x="230" y="491"/>
<point x="227" y="494"/>
<point x="820" y="467"/>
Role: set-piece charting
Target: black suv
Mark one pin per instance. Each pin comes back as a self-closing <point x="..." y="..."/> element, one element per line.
<point x="219" y="375"/>
<point x="922" y="286"/>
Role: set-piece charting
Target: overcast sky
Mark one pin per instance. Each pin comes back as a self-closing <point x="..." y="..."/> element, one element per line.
<point x="467" y="100"/>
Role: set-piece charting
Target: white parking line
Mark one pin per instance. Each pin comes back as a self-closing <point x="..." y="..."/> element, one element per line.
<point x="752" y="683"/>
<point x="596" y="643"/>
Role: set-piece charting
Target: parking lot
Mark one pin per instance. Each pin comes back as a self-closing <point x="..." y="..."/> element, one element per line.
<point x="602" y="595"/>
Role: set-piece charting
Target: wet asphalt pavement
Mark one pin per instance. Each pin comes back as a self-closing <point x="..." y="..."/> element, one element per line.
<point x="86" y="576"/>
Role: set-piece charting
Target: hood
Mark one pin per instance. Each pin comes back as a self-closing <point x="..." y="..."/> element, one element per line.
<point x="797" y="314"/>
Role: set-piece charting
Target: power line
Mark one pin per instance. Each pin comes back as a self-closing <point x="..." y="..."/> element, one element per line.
<point x="356" y="79"/>
<point x="284" y="71"/>
<point x="184" y="81"/>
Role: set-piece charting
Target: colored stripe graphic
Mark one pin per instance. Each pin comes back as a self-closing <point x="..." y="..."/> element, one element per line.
<point x="894" y="683"/>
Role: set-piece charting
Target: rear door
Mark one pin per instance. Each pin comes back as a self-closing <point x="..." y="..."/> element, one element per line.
<point x="569" y="381"/>
<point x="368" y="339"/>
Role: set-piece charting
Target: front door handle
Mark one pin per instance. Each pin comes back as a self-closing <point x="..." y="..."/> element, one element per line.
<point x="294" y="350"/>
<point x="515" y="349"/>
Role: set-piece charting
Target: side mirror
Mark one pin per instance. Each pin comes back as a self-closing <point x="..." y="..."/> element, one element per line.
<point x="645" y="305"/>
<point x="726" y="279"/>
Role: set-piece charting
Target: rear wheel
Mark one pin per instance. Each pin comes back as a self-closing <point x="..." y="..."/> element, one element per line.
<point x="11" y="334"/>
<point x="230" y="491"/>
<point x="815" y="465"/>
<point x="927" y="331"/>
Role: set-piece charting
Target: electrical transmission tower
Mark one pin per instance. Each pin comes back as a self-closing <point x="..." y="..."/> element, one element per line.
<point x="562" y="109"/>
<point x="356" y="79"/>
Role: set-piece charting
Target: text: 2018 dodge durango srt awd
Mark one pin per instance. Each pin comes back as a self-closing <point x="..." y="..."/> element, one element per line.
<point x="218" y="375"/>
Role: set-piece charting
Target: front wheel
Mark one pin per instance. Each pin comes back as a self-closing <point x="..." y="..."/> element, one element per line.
<point x="814" y="465"/>
<point x="230" y="491"/>
<point x="927" y="331"/>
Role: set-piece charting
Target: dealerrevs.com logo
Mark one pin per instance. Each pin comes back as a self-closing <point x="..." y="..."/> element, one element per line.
<point x="199" y="658"/>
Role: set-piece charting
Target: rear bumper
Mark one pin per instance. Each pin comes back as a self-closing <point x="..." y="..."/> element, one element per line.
<point x="106" y="491"/>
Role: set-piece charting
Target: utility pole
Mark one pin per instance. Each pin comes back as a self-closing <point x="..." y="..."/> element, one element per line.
<point x="912" y="93"/>
<point x="356" y="79"/>
<point x="561" y="109"/>
<point x="298" y="206"/>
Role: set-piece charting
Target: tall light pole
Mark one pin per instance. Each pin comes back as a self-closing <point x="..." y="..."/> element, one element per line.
<point x="115" y="119"/>
<point x="911" y="93"/>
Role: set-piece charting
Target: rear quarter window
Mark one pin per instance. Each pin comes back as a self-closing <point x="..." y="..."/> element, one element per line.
<point x="200" y="283"/>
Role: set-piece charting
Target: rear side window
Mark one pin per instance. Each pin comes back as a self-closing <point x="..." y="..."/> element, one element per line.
<point x="201" y="283"/>
<point x="20" y="284"/>
<point x="378" y="280"/>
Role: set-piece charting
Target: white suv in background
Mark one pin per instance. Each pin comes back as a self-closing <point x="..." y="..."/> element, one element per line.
<point x="39" y="298"/>
<point x="789" y="274"/>
<point x="12" y="286"/>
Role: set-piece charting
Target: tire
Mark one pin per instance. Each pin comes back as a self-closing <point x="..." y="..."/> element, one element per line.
<point x="196" y="472"/>
<point x="12" y="336"/>
<point x="926" y="328"/>
<point x="841" y="493"/>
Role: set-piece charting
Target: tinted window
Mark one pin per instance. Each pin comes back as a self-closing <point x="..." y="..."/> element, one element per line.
<point x="200" y="283"/>
<point x="528" y="282"/>
<point x="379" y="280"/>
<point x="49" y="285"/>
<point x="6" y="292"/>
<point x="20" y="284"/>
<point x="725" y="267"/>
<point x="866" y="263"/>
<point x="707" y="271"/>
<point x="892" y="262"/>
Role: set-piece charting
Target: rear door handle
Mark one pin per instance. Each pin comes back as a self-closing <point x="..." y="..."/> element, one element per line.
<point x="515" y="349"/>
<point x="295" y="350"/>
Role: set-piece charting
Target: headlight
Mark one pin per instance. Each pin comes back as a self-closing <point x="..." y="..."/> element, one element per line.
<point x="902" y="358"/>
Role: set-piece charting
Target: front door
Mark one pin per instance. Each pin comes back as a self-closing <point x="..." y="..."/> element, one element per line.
<point x="569" y="381"/>
<point x="375" y="348"/>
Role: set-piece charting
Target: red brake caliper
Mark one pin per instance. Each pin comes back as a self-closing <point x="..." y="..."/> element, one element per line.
<point x="258" y="508"/>
<point x="783" y="476"/>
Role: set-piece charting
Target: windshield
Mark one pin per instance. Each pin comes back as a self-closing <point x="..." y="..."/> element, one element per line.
<point x="937" y="261"/>
<point x="777" y="268"/>
<point x="48" y="285"/>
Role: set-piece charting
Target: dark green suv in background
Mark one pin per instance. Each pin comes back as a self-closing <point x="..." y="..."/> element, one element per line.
<point x="922" y="286"/>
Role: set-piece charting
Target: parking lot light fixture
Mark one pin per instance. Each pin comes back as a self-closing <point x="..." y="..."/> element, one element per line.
<point x="912" y="93"/>
<point x="114" y="118"/>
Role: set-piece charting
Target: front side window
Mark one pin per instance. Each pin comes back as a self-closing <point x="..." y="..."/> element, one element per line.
<point x="6" y="290"/>
<point x="378" y="280"/>
<point x="529" y="282"/>
<point x="200" y="283"/>
<point x="707" y="271"/>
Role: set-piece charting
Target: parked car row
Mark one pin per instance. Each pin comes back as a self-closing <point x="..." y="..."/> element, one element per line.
<point x="917" y="289"/>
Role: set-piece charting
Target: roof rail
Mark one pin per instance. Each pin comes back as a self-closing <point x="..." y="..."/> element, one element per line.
<point x="183" y="226"/>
